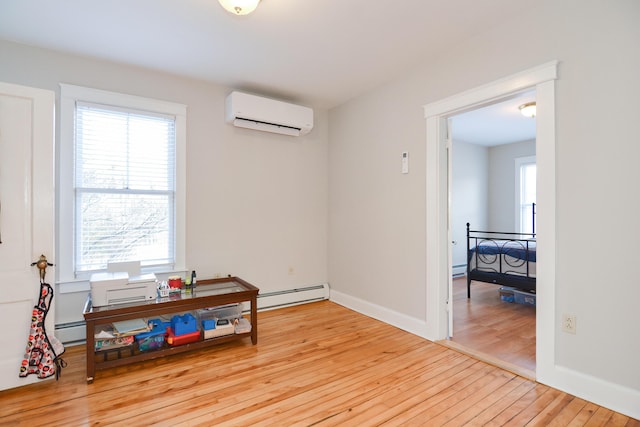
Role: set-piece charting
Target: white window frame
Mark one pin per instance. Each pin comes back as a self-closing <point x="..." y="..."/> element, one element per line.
<point x="69" y="94"/>
<point x="519" y="162"/>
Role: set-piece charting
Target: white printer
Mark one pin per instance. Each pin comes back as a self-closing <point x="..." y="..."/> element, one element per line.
<point x="118" y="288"/>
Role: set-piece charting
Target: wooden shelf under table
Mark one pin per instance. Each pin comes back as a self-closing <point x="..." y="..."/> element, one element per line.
<point x="208" y="293"/>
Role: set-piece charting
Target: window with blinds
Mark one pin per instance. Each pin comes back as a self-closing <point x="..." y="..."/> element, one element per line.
<point x="124" y="185"/>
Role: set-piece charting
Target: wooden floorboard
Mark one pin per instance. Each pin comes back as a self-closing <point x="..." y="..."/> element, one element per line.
<point x="493" y="330"/>
<point x="317" y="364"/>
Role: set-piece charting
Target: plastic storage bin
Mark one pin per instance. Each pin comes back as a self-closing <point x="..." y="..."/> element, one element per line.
<point x="506" y="294"/>
<point x="526" y="298"/>
<point x="243" y="326"/>
<point x="229" y="312"/>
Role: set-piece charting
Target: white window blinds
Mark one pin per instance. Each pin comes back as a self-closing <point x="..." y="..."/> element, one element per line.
<point x="124" y="179"/>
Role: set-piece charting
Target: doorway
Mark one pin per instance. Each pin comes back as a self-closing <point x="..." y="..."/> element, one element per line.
<point x="438" y="264"/>
<point x="490" y="146"/>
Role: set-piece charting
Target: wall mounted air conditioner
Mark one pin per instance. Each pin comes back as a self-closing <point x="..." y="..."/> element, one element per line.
<point x="258" y="113"/>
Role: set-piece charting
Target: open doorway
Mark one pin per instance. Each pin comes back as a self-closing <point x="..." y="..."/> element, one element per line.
<point x="438" y="242"/>
<point x="493" y="189"/>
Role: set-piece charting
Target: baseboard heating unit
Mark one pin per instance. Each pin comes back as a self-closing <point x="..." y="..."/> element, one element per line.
<point x="459" y="270"/>
<point x="289" y="297"/>
<point x="71" y="333"/>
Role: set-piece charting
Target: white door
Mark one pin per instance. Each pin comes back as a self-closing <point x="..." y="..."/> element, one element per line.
<point x="26" y="218"/>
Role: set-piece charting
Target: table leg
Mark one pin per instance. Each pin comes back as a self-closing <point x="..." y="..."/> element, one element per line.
<point x="91" y="352"/>
<point x="254" y="321"/>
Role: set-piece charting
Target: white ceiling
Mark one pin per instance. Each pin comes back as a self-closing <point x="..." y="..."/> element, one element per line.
<point x="316" y="52"/>
<point x="497" y="124"/>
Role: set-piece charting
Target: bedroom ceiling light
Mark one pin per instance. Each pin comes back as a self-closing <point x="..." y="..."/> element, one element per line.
<point x="239" y="7"/>
<point x="528" y="109"/>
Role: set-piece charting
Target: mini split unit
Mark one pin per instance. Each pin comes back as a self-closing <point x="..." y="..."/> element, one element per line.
<point x="268" y="115"/>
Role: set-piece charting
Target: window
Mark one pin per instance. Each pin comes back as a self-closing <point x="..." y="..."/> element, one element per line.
<point x="526" y="194"/>
<point x="121" y="187"/>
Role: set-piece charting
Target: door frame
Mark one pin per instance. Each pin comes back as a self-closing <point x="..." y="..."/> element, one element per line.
<point x="438" y="264"/>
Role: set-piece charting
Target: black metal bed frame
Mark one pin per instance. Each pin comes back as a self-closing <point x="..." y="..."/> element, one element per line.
<point x="500" y="274"/>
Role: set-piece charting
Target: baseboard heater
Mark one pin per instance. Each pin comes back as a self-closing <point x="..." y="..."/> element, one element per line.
<point x="289" y="297"/>
<point x="459" y="270"/>
<point x="71" y="333"/>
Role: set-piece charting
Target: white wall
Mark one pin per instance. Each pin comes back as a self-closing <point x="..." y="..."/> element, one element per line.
<point x="376" y="213"/>
<point x="502" y="184"/>
<point x="257" y="202"/>
<point x="469" y="195"/>
<point x="596" y="175"/>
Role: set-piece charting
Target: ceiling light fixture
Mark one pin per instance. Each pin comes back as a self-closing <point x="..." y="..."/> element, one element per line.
<point x="239" y="7"/>
<point x="528" y="109"/>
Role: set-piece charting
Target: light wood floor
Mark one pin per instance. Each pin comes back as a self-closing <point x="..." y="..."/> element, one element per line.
<point x="315" y="364"/>
<point x="500" y="332"/>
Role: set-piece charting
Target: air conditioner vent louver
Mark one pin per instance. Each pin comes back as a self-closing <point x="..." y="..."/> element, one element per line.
<point x="268" y="115"/>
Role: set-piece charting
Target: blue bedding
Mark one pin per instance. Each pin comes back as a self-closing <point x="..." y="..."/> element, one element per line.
<point x="514" y="248"/>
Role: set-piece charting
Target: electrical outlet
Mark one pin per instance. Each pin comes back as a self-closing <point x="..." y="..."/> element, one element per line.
<point x="569" y="323"/>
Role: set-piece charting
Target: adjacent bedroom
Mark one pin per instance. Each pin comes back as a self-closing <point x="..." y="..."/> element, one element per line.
<point x="493" y="196"/>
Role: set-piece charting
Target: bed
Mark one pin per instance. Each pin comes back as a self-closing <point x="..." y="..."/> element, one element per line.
<point x="507" y="259"/>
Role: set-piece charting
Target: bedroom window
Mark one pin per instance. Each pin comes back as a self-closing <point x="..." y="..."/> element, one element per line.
<point x="526" y="194"/>
<point x="124" y="193"/>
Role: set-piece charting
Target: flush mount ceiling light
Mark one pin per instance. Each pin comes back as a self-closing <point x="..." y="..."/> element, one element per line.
<point x="528" y="109"/>
<point x="240" y="7"/>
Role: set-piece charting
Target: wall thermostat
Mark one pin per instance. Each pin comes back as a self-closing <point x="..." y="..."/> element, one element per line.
<point x="405" y="162"/>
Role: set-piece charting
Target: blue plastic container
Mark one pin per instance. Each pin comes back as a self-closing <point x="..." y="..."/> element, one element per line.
<point x="209" y="324"/>
<point x="184" y="324"/>
<point x="506" y="294"/>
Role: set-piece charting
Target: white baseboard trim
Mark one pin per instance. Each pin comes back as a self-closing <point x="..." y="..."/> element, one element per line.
<point x="613" y="396"/>
<point x="399" y="320"/>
